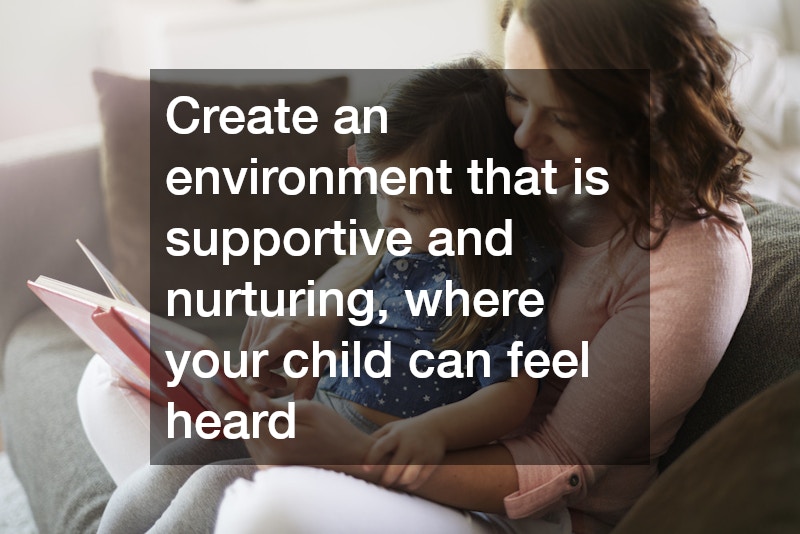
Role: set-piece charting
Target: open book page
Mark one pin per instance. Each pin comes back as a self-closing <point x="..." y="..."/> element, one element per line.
<point x="116" y="288"/>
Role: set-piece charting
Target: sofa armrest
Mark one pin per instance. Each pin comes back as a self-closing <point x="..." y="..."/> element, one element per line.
<point x="743" y="476"/>
<point x="50" y="195"/>
<point x="765" y="346"/>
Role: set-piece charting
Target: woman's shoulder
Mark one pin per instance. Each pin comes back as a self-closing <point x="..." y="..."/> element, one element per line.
<point x="702" y="267"/>
<point x="697" y="258"/>
<point x="706" y="243"/>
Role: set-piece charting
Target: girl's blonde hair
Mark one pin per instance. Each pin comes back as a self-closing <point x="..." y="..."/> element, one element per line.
<point x="455" y="112"/>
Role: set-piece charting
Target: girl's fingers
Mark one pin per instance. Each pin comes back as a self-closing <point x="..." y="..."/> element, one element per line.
<point x="395" y="469"/>
<point x="379" y="450"/>
<point x="391" y="474"/>
<point x="244" y="342"/>
<point x="409" y="475"/>
<point x="381" y="432"/>
<point x="220" y="400"/>
<point x="424" y="474"/>
<point x="261" y="402"/>
<point x="306" y="387"/>
<point x="268" y="380"/>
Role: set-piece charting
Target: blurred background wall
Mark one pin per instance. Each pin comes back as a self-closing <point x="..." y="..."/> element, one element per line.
<point x="49" y="47"/>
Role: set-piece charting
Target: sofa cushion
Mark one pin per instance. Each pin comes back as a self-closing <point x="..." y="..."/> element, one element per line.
<point x="39" y="192"/>
<point x="66" y="484"/>
<point x="743" y="476"/>
<point x="766" y="345"/>
<point x="758" y="86"/>
<point x="791" y="17"/>
<point x="129" y="157"/>
<point x="736" y="16"/>
<point x="791" y="126"/>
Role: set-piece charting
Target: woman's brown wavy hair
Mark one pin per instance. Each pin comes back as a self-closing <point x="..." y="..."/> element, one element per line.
<point x="649" y="81"/>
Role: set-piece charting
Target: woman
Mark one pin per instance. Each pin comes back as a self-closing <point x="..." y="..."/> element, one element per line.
<point x="655" y="277"/>
<point x="668" y="237"/>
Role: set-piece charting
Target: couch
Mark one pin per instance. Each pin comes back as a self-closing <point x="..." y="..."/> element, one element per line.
<point x="740" y="444"/>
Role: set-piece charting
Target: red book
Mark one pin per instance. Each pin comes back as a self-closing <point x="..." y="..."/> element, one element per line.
<point x="132" y="341"/>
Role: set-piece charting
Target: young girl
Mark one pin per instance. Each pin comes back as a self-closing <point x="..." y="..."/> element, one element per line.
<point x="453" y="113"/>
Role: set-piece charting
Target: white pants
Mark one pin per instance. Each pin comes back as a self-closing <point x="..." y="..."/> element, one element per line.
<point x="308" y="500"/>
<point x="116" y="419"/>
<point x="279" y="499"/>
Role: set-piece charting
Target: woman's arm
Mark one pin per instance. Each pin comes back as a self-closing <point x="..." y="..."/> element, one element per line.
<point x="472" y="479"/>
<point x="670" y="318"/>
<point x="648" y="364"/>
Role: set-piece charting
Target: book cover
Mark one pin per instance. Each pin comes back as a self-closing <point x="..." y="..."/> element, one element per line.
<point x="132" y="340"/>
<point x="77" y="308"/>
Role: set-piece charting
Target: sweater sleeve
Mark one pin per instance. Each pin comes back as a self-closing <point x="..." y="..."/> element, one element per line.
<point x="670" y="319"/>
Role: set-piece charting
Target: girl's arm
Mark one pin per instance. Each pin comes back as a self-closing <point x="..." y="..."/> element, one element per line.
<point x="472" y="479"/>
<point x="485" y="416"/>
<point x="282" y="334"/>
<point x="476" y="479"/>
<point x="414" y="447"/>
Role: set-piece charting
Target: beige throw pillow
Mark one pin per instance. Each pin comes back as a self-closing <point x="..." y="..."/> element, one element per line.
<point x="130" y="161"/>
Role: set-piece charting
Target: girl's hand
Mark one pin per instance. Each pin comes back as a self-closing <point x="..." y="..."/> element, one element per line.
<point x="411" y="449"/>
<point x="279" y="335"/>
<point x="478" y="479"/>
<point x="322" y="437"/>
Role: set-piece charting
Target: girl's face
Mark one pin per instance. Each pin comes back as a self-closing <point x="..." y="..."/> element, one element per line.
<point x="418" y="213"/>
<point x="545" y="127"/>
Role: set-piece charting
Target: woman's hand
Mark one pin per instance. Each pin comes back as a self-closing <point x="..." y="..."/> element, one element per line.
<point x="279" y="335"/>
<point x="322" y="436"/>
<point x="412" y="449"/>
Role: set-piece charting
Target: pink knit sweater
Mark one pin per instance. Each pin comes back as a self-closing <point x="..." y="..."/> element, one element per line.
<point x="658" y="324"/>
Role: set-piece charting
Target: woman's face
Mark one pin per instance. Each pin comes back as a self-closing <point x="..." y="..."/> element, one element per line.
<point x="546" y="129"/>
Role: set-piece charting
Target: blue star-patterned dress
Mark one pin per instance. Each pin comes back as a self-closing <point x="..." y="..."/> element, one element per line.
<point x="405" y="395"/>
